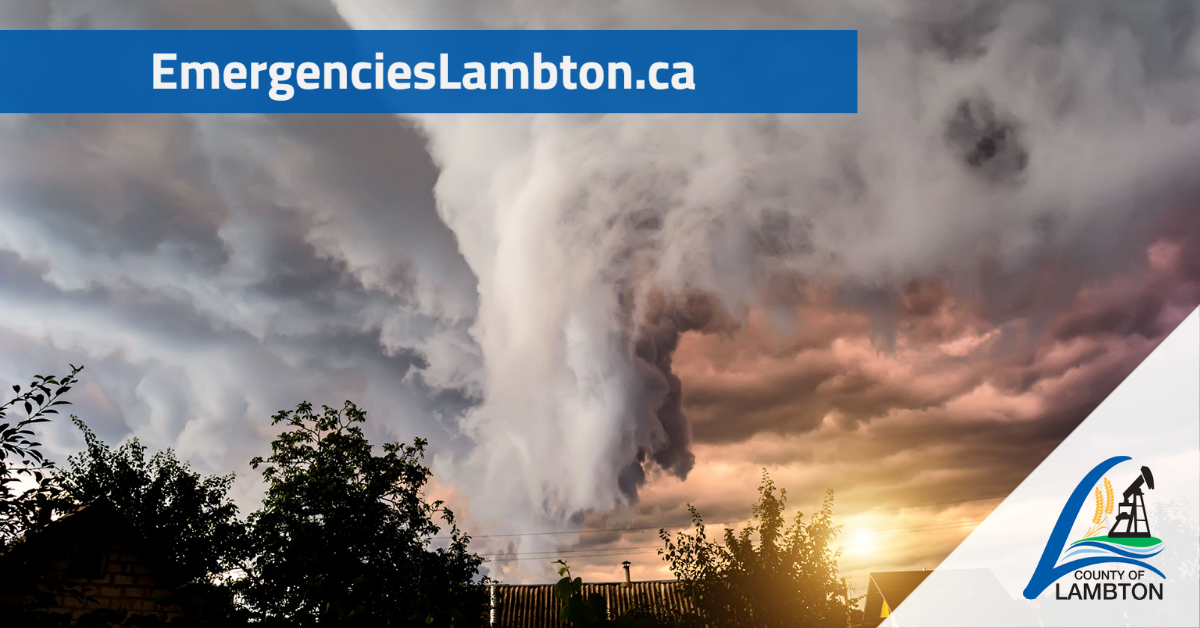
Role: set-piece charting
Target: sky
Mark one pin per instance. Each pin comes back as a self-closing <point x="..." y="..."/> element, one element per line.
<point x="599" y="319"/>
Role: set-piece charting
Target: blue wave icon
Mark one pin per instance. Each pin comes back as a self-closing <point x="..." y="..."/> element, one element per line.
<point x="1137" y="548"/>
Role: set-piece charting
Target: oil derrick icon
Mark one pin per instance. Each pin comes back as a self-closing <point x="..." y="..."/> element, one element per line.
<point x="1131" y="513"/>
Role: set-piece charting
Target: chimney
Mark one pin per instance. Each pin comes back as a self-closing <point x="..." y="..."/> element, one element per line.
<point x="628" y="582"/>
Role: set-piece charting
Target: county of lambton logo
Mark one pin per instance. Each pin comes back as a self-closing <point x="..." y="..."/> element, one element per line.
<point x="1123" y="539"/>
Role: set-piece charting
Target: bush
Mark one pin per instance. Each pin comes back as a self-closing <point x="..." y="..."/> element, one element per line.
<point x="789" y="579"/>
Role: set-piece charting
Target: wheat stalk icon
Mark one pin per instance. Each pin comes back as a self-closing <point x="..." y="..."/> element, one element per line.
<point x="1104" y="507"/>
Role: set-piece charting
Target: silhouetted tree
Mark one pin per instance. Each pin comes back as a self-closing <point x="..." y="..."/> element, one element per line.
<point x="345" y="535"/>
<point x="790" y="578"/>
<point x="187" y="518"/>
<point x="27" y="487"/>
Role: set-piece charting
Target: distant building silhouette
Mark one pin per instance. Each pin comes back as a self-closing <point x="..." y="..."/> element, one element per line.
<point x="93" y="552"/>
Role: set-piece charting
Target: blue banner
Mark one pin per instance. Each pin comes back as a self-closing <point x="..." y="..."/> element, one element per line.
<point x="428" y="71"/>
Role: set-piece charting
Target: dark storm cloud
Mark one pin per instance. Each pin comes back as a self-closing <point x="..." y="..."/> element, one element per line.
<point x="63" y="168"/>
<point x="943" y="349"/>
<point x="211" y="270"/>
<point x="956" y="30"/>
<point x="791" y="385"/>
<point x="663" y="324"/>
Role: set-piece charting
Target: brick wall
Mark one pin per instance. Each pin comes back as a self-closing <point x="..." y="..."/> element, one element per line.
<point x="119" y="577"/>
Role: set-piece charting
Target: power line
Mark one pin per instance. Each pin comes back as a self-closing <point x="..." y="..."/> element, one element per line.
<point x="932" y="526"/>
<point x="554" y="553"/>
<point x="617" y="551"/>
<point x="547" y="558"/>
<point x="581" y="531"/>
<point x="689" y="524"/>
<point x="955" y="501"/>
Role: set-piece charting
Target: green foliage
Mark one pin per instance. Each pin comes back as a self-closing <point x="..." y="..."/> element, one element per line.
<point x="344" y="535"/>
<point x="188" y="518"/>
<point x="577" y="610"/>
<point x="790" y="578"/>
<point x="21" y="459"/>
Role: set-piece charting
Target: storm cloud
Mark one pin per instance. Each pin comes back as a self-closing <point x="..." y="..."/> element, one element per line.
<point x="232" y="267"/>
